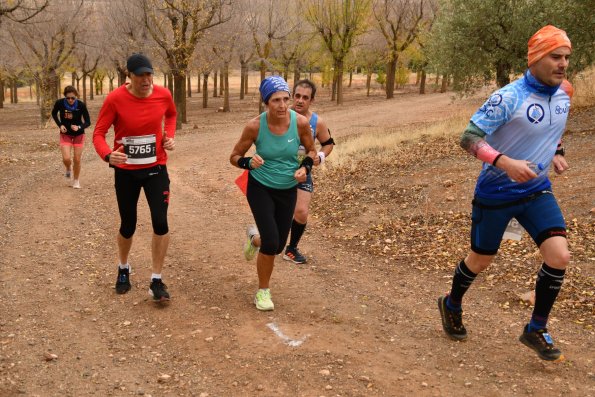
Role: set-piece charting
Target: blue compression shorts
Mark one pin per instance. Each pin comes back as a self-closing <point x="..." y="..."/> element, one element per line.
<point x="539" y="214"/>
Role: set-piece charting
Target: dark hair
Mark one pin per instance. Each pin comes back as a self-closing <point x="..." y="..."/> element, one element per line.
<point x="306" y="83"/>
<point x="69" y="89"/>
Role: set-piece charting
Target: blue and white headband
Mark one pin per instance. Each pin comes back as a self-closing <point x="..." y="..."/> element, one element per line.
<point x="272" y="84"/>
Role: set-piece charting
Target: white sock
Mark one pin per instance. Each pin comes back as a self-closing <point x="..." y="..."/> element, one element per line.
<point x="155" y="275"/>
<point x="125" y="266"/>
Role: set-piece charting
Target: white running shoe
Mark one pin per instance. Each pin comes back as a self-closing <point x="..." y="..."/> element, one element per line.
<point x="76" y="184"/>
<point x="250" y="249"/>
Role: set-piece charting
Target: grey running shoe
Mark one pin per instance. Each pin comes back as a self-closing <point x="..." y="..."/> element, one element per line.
<point x="123" y="282"/>
<point x="292" y="254"/>
<point x="541" y="342"/>
<point x="158" y="290"/>
<point x="452" y="322"/>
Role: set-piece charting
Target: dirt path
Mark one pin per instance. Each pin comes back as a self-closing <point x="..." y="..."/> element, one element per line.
<point x="359" y="331"/>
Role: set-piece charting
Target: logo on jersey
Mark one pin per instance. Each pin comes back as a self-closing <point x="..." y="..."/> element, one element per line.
<point x="490" y="104"/>
<point x="535" y="113"/>
<point x="565" y="109"/>
<point x="495" y="100"/>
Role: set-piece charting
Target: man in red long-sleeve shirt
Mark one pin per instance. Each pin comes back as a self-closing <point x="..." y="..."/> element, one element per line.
<point x="138" y="157"/>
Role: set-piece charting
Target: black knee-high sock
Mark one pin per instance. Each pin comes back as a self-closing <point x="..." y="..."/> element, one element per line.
<point x="297" y="230"/>
<point x="460" y="284"/>
<point x="547" y="287"/>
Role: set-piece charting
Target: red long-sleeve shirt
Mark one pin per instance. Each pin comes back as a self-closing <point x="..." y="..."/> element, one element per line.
<point x="133" y="116"/>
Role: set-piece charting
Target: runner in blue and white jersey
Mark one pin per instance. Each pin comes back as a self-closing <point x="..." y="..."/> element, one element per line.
<point x="517" y="134"/>
<point x="304" y="92"/>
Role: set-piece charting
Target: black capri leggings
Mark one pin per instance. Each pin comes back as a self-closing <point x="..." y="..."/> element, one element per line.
<point x="273" y="212"/>
<point x="155" y="182"/>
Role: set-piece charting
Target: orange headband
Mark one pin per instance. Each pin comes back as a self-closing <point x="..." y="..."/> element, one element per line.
<point x="544" y="41"/>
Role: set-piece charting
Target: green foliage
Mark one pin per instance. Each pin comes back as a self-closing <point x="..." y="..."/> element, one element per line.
<point x="381" y="77"/>
<point x="475" y="40"/>
<point x="401" y="76"/>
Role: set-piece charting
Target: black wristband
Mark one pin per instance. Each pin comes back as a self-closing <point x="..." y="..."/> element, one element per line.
<point x="244" y="162"/>
<point x="560" y="151"/>
<point x="307" y="163"/>
<point x="496" y="159"/>
<point x="106" y="158"/>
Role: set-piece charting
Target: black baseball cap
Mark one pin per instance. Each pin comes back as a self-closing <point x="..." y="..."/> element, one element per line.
<point x="139" y="64"/>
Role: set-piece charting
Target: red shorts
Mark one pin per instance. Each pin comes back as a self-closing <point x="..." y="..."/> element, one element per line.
<point x="69" y="140"/>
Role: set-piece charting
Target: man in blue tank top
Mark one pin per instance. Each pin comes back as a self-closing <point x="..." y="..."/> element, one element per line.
<point x="304" y="92"/>
<point x="517" y="134"/>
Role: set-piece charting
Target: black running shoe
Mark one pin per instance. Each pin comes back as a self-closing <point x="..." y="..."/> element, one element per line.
<point x="292" y="254"/>
<point x="541" y="342"/>
<point x="123" y="281"/>
<point x="452" y="322"/>
<point x="158" y="290"/>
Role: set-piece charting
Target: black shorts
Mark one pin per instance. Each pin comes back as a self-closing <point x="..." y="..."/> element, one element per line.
<point x="155" y="182"/>
<point x="273" y="212"/>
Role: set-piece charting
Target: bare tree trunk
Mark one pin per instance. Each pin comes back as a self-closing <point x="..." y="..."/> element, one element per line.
<point x="171" y="85"/>
<point x="221" y="85"/>
<point x="15" y="91"/>
<point x="198" y="84"/>
<point x="350" y="78"/>
<point x="444" y="83"/>
<point x="334" y="85"/>
<point x="296" y="74"/>
<point x="246" y="83"/>
<point x="164" y="79"/>
<point x="47" y="84"/>
<point x="72" y="78"/>
<point x="111" y="84"/>
<point x="205" y="90"/>
<point x="368" y="83"/>
<point x="91" y="78"/>
<point x="189" y="85"/>
<point x="422" y="82"/>
<point x="340" y="83"/>
<point x="37" y="92"/>
<point x="391" y="68"/>
<point x="30" y="92"/>
<point x="243" y="68"/>
<point x="215" y="84"/>
<point x="262" y="75"/>
<point x="84" y="87"/>
<point x="225" y="83"/>
<point x="502" y="73"/>
<point x="179" y="80"/>
<point x="1" y="93"/>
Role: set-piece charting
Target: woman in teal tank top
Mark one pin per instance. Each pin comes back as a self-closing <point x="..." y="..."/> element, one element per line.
<point x="274" y="172"/>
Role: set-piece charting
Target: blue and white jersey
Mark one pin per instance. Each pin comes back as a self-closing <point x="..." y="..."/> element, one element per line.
<point x="523" y="120"/>
<point x="313" y="123"/>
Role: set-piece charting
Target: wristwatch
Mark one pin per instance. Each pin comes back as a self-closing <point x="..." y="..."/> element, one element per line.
<point x="560" y="151"/>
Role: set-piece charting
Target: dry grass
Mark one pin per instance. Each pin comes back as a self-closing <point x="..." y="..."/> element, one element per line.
<point x="584" y="89"/>
<point x="382" y="146"/>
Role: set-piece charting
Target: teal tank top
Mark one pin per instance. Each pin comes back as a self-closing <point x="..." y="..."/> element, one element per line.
<point x="279" y="153"/>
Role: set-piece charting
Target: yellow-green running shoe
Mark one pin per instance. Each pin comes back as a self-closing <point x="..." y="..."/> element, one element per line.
<point x="250" y="249"/>
<point x="263" y="300"/>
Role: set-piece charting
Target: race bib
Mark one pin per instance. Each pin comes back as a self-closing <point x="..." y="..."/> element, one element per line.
<point x="140" y="149"/>
<point x="514" y="230"/>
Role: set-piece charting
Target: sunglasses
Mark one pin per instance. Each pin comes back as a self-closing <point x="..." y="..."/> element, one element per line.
<point x="71" y="98"/>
